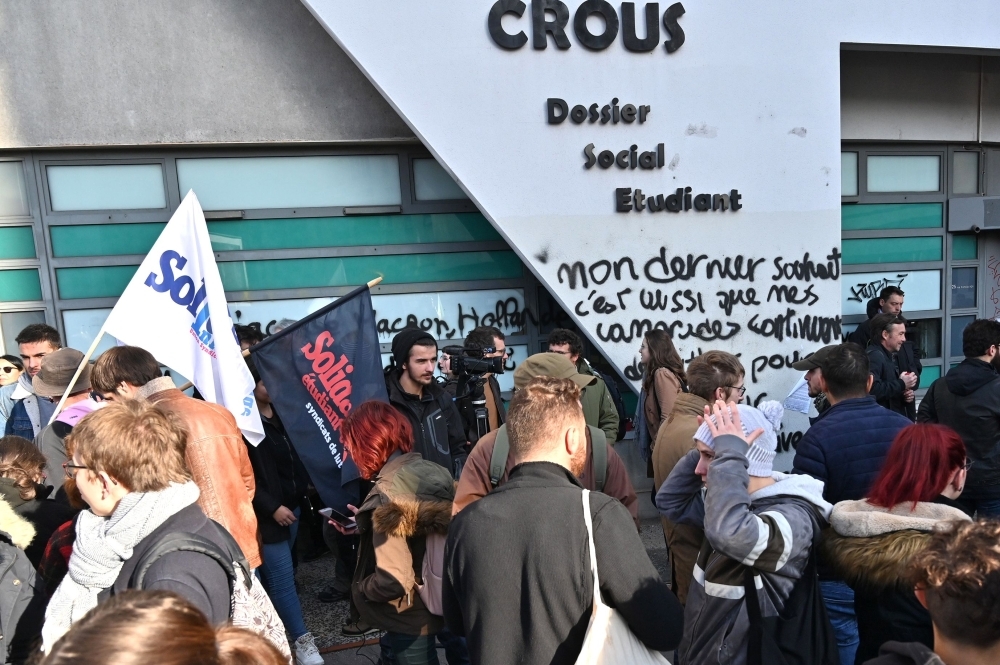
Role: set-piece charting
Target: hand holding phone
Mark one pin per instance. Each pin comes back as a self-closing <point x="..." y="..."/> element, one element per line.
<point x="345" y="524"/>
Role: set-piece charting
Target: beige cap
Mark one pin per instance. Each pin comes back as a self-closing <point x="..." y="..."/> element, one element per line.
<point x="550" y="364"/>
<point x="57" y="371"/>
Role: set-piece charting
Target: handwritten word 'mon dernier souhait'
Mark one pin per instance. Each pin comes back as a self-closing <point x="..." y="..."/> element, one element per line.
<point x="183" y="292"/>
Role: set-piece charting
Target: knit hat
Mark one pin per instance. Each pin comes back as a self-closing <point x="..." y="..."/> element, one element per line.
<point x="762" y="452"/>
<point x="405" y="340"/>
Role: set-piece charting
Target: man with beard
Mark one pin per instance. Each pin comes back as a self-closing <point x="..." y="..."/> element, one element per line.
<point x="967" y="400"/>
<point x="517" y="578"/>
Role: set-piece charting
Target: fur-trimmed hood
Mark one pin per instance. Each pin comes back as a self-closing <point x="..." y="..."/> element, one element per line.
<point x="20" y="530"/>
<point x="406" y="518"/>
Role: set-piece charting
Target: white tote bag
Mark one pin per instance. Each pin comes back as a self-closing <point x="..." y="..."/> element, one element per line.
<point x="609" y="640"/>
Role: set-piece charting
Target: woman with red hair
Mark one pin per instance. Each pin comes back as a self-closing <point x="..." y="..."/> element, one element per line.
<point x="411" y="500"/>
<point x="871" y="542"/>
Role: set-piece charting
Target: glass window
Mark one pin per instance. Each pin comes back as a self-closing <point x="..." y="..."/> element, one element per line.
<point x="965" y="173"/>
<point x="20" y="285"/>
<point x="958" y="324"/>
<point x="963" y="288"/>
<point x="904" y="173"/>
<point x="13" y="195"/>
<point x="432" y="182"/>
<point x="928" y="376"/>
<point x="113" y="187"/>
<point x="104" y="239"/>
<point x="12" y="323"/>
<point x="926" y="337"/>
<point x="848" y="174"/>
<point x="922" y="289"/>
<point x="891" y="250"/>
<point x="239" y="183"/>
<point x="964" y="247"/>
<point x="17" y="242"/>
<point x="94" y="282"/>
<point x="861" y="217"/>
<point x="82" y="325"/>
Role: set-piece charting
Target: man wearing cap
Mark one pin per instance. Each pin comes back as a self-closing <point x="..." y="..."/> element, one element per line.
<point x="437" y="426"/>
<point x="49" y="384"/>
<point x="475" y="482"/>
<point x="845" y="447"/>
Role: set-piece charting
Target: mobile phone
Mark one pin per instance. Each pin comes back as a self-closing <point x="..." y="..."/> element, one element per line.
<point x="338" y="517"/>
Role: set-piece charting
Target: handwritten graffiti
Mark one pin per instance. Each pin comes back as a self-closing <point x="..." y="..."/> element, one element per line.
<point x="865" y="291"/>
<point x="812" y="328"/>
<point x="788" y="441"/>
<point x="776" y="361"/>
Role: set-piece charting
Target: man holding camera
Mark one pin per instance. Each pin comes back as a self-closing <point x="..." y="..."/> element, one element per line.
<point x="478" y="344"/>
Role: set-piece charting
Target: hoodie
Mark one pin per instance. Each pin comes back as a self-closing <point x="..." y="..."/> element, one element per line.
<point x="771" y="530"/>
<point x="967" y="399"/>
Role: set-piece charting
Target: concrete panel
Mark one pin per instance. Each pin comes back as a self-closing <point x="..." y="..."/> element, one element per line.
<point x="143" y="72"/>
<point x="909" y="96"/>
<point x="991" y="100"/>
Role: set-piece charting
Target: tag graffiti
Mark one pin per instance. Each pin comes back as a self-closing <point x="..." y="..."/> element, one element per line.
<point x="183" y="292"/>
<point x="329" y="385"/>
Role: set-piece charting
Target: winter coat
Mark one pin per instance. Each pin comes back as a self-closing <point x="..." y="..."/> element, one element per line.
<point x="599" y="409"/>
<point x="22" y="599"/>
<point x="771" y="530"/>
<point x="44" y="515"/>
<point x="871" y="548"/>
<point x="967" y="400"/>
<point x="906" y="653"/>
<point x="438" y="433"/>
<point x="673" y="441"/>
<point x="518" y="582"/>
<point x="887" y="387"/>
<point x="280" y="479"/>
<point x="411" y="499"/>
<point x="22" y="413"/>
<point x="474" y="483"/>
<point x="846" y="446"/>
<point x="660" y="399"/>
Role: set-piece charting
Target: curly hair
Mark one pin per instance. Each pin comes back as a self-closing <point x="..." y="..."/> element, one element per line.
<point x="23" y="463"/>
<point x="959" y="571"/>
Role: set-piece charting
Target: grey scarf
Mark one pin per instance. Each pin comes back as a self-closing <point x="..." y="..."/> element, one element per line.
<point x="103" y="545"/>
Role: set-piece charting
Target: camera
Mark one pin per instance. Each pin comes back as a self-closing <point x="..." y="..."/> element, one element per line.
<point x="471" y="368"/>
<point x="470" y="362"/>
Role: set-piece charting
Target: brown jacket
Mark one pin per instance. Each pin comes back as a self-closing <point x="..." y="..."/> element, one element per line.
<point x="218" y="462"/>
<point x="411" y="499"/>
<point x="475" y="481"/>
<point x="660" y="400"/>
<point x="673" y="441"/>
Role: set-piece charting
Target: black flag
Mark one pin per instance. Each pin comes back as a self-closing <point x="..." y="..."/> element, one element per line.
<point x="315" y="372"/>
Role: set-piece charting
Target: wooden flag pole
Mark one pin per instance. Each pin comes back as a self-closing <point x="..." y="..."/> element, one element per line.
<point x="79" y="371"/>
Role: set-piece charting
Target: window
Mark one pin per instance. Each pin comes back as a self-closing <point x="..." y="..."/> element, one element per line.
<point x="112" y="187"/>
<point x="16" y="242"/>
<point x="891" y="216"/>
<point x="892" y="250"/>
<point x="13" y="195"/>
<point x="20" y="285"/>
<point x="958" y="324"/>
<point x="12" y="323"/>
<point x="904" y="173"/>
<point x="965" y="173"/>
<point x="432" y="182"/>
<point x="848" y="174"/>
<point x="963" y="288"/>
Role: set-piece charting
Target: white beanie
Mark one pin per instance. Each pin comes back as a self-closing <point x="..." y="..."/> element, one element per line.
<point x="761" y="453"/>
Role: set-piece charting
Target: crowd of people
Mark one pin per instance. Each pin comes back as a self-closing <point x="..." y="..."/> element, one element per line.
<point x="138" y="525"/>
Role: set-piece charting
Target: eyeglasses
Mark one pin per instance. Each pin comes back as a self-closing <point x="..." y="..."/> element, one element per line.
<point x="8" y="369"/>
<point x="71" y="474"/>
<point x="741" y="389"/>
<point x="97" y="397"/>
<point x="968" y="464"/>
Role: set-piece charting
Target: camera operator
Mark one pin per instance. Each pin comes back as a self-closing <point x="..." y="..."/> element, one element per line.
<point x="478" y="345"/>
<point x="409" y="381"/>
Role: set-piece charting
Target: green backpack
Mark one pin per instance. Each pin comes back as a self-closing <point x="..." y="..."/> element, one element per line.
<point x="498" y="461"/>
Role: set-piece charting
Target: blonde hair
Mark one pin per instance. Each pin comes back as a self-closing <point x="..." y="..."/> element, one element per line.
<point x="135" y="443"/>
<point x="538" y="409"/>
<point x="23" y="463"/>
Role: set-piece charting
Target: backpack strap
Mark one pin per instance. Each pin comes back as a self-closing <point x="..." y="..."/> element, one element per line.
<point x="599" y="449"/>
<point x="498" y="461"/>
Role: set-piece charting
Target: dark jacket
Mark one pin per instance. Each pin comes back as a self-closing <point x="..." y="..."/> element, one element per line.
<point x="410" y="500"/>
<point x="437" y="426"/>
<point x="518" y="582"/>
<point x="281" y="479"/>
<point x="46" y="516"/>
<point x="862" y="335"/>
<point x="197" y="577"/>
<point x="19" y="423"/>
<point x="967" y="400"/>
<point x="887" y="387"/>
<point x="22" y="598"/>
<point x="905" y="653"/>
<point x="466" y="410"/>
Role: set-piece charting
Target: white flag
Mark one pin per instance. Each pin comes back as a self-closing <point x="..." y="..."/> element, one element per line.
<point x="175" y="308"/>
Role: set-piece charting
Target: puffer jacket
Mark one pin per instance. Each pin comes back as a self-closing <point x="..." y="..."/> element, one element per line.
<point x="771" y="530"/>
<point x="871" y="548"/>
<point x="218" y="462"/>
<point x="22" y="598"/>
<point x="410" y="500"/>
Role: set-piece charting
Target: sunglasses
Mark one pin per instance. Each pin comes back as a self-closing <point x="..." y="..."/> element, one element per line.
<point x="8" y="369"/>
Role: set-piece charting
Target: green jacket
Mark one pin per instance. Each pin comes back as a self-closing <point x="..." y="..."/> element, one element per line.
<point x="598" y="407"/>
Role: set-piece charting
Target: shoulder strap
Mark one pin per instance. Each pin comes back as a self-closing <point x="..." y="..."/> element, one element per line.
<point x="756" y="633"/>
<point x="599" y="449"/>
<point x="588" y="520"/>
<point x="498" y="461"/>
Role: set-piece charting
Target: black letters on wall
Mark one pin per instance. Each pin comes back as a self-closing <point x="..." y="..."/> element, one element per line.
<point x="674" y="12"/>
<point x="540" y="25"/>
<point x="502" y="39"/>
<point x="652" y="38"/>
<point x="596" y="42"/>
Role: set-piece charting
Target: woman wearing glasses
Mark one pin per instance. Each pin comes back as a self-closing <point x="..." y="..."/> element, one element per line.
<point x="10" y="370"/>
<point x="873" y="540"/>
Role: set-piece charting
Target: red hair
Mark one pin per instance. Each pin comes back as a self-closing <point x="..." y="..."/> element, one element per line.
<point x="372" y="432"/>
<point x="918" y="466"/>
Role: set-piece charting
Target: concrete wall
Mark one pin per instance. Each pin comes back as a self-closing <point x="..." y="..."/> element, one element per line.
<point x="144" y="72"/>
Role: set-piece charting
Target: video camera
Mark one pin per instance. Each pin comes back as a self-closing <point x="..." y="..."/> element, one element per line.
<point x="471" y="368"/>
<point x="470" y="362"/>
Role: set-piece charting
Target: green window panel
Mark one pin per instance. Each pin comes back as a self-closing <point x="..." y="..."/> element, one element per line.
<point x="104" y="239"/>
<point x="892" y="216"/>
<point x="964" y="247"/>
<point x="110" y="281"/>
<point x="929" y="375"/>
<point x="16" y="242"/>
<point x="20" y="285"/>
<point x="891" y="250"/>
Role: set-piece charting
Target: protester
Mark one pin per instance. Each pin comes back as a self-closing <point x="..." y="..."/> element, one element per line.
<point x="215" y="453"/>
<point x="752" y="516"/>
<point x="437" y="426"/>
<point x="22" y="598"/>
<point x="893" y="382"/>
<point x="567" y="343"/>
<point x="21" y="474"/>
<point x="11" y="368"/>
<point x="411" y="501"/>
<point x="873" y="541"/>
<point x="845" y="447"/>
<point x="663" y="380"/>
<point x="249" y="335"/>
<point x="444" y="366"/>
<point x="475" y="481"/>
<point x="967" y="400"/>
<point x="957" y="578"/>
<point x="138" y="627"/>
<point x="812" y="366"/>
<point x="889" y="301"/>
<point x="128" y="463"/>
<point x="478" y="340"/>
<point x="715" y="375"/>
<point x="518" y="579"/>
<point x="280" y="481"/>
<point x="21" y="413"/>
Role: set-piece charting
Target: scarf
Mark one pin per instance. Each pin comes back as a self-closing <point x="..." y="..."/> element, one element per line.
<point x="103" y="545"/>
<point x="639" y="427"/>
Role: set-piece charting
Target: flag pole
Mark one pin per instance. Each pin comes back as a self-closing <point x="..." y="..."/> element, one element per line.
<point x="246" y="352"/>
<point x="79" y="371"/>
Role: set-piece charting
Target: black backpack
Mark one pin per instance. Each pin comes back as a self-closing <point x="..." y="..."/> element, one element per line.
<point x="616" y="397"/>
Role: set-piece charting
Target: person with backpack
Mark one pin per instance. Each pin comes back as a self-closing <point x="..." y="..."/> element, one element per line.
<point x="602" y="396"/>
<point x="490" y="462"/>
<point x="755" y="594"/>
<point x="128" y="465"/>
